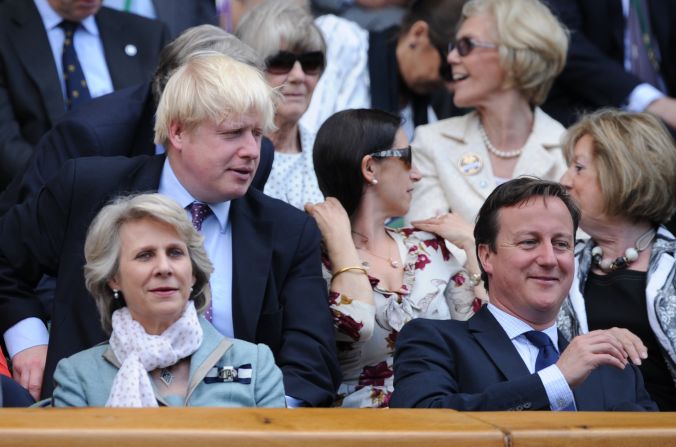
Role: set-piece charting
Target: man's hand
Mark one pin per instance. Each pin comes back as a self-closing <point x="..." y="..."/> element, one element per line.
<point x="587" y="352"/>
<point x="633" y="346"/>
<point x="29" y="366"/>
<point x="665" y="109"/>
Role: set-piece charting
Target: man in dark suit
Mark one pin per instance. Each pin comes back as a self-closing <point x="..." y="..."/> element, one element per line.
<point x="32" y="95"/>
<point x="267" y="285"/>
<point x="121" y="123"/>
<point x="510" y="356"/>
<point x="596" y="73"/>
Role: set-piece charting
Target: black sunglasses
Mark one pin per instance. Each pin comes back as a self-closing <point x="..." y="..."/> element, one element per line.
<point x="404" y="154"/>
<point x="282" y="62"/>
<point x="465" y="45"/>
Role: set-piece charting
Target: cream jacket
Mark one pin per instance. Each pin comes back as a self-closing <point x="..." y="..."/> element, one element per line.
<point x="456" y="170"/>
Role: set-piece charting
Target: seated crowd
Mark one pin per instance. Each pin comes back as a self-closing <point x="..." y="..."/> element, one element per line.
<point x="436" y="241"/>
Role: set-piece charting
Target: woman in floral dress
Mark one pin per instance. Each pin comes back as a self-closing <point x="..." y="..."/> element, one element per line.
<point x="380" y="278"/>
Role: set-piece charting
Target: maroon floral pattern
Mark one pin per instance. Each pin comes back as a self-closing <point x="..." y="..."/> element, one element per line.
<point x="434" y="286"/>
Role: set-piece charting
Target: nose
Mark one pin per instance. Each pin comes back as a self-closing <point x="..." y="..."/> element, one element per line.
<point x="414" y="175"/>
<point x="163" y="267"/>
<point x="453" y="56"/>
<point x="565" y="178"/>
<point x="251" y="146"/>
<point x="546" y="255"/>
<point x="296" y="73"/>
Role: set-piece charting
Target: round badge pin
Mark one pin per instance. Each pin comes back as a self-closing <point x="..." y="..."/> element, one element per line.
<point x="130" y="50"/>
<point x="470" y="164"/>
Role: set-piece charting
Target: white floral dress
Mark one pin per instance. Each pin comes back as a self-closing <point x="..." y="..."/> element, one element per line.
<point x="435" y="286"/>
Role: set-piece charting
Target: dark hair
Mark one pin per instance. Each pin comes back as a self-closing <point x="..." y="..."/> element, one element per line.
<point x="511" y="193"/>
<point x="341" y="144"/>
<point x="441" y="16"/>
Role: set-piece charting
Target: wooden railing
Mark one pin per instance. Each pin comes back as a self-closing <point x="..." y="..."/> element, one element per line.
<point x="205" y="427"/>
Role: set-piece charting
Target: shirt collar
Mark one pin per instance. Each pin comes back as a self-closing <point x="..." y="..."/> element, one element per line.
<point x="515" y="327"/>
<point x="170" y="186"/>
<point x="51" y="18"/>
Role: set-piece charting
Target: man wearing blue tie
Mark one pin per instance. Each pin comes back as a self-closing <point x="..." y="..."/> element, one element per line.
<point x="510" y="356"/>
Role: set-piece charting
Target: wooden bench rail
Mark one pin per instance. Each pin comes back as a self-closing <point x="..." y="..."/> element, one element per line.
<point x="206" y="427"/>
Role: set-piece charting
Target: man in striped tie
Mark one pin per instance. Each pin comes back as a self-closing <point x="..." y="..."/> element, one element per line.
<point x="510" y="355"/>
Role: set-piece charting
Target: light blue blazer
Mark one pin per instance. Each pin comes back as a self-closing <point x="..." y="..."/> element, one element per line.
<point x="85" y="379"/>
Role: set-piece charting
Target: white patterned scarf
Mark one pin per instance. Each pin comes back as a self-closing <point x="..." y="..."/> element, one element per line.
<point x="140" y="352"/>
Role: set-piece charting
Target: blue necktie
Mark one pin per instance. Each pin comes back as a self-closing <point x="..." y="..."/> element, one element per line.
<point x="77" y="91"/>
<point x="200" y="211"/>
<point x="547" y="355"/>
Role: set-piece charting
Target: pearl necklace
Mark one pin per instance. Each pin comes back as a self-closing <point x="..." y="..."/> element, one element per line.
<point x="494" y="150"/>
<point x="630" y="254"/>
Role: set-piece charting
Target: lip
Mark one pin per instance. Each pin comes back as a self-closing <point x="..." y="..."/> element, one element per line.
<point x="243" y="173"/>
<point x="544" y="279"/>
<point x="164" y="291"/>
<point x="459" y="77"/>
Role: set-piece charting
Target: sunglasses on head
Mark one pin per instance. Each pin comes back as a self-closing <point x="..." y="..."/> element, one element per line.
<point x="404" y="154"/>
<point x="465" y="45"/>
<point x="282" y="63"/>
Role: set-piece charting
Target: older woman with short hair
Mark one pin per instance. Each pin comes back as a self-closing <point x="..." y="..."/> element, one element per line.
<point x="149" y="275"/>
<point x="286" y="38"/>
<point x="504" y="60"/>
<point x="622" y="175"/>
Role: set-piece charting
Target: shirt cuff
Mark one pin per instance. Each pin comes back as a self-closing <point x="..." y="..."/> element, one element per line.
<point x="292" y="402"/>
<point x="27" y="333"/>
<point x="641" y="97"/>
<point x="558" y="392"/>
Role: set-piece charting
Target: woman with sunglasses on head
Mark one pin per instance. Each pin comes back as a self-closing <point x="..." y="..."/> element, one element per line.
<point x="292" y="46"/>
<point x="504" y="60"/>
<point x="380" y="278"/>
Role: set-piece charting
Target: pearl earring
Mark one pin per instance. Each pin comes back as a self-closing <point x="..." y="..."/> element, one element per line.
<point x="374" y="182"/>
<point x="116" y="294"/>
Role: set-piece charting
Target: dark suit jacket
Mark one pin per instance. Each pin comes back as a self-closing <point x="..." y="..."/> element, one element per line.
<point x="31" y="99"/>
<point x="594" y="74"/>
<point x="120" y="123"/>
<point x="473" y="366"/>
<point x="180" y="15"/>
<point x="278" y="293"/>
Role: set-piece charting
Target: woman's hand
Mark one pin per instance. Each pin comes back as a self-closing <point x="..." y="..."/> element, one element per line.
<point x="334" y="225"/>
<point x="632" y="345"/>
<point x="451" y="227"/>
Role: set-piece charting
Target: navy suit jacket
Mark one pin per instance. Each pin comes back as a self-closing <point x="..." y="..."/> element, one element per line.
<point x="594" y="75"/>
<point x="31" y="99"/>
<point x="120" y="123"/>
<point x="279" y="297"/>
<point x="473" y="366"/>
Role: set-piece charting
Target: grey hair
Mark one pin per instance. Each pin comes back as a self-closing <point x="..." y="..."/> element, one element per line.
<point x="196" y="39"/>
<point x="102" y="248"/>
<point x="277" y="24"/>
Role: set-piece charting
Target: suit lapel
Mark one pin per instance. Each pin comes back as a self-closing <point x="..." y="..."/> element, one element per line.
<point x="251" y="262"/>
<point x="493" y="339"/>
<point x="114" y="43"/>
<point x="29" y="38"/>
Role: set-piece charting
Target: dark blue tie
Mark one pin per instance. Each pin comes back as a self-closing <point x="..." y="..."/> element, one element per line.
<point x="77" y="91"/>
<point x="547" y="355"/>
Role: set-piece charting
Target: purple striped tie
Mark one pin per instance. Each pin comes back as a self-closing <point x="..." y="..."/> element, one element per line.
<point x="200" y="211"/>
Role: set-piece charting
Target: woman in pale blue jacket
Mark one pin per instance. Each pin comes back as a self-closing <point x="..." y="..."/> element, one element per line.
<point x="149" y="274"/>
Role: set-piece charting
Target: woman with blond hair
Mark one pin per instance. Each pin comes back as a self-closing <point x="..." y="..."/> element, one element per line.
<point x="504" y="59"/>
<point x="622" y="175"/>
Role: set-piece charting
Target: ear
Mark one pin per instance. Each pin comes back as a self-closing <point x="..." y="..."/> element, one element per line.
<point x="114" y="283"/>
<point x="419" y="31"/>
<point x="177" y="134"/>
<point x="486" y="258"/>
<point x="368" y="168"/>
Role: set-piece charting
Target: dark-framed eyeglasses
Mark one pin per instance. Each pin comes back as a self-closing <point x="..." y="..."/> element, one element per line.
<point x="465" y="45"/>
<point x="312" y="62"/>
<point x="403" y="153"/>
